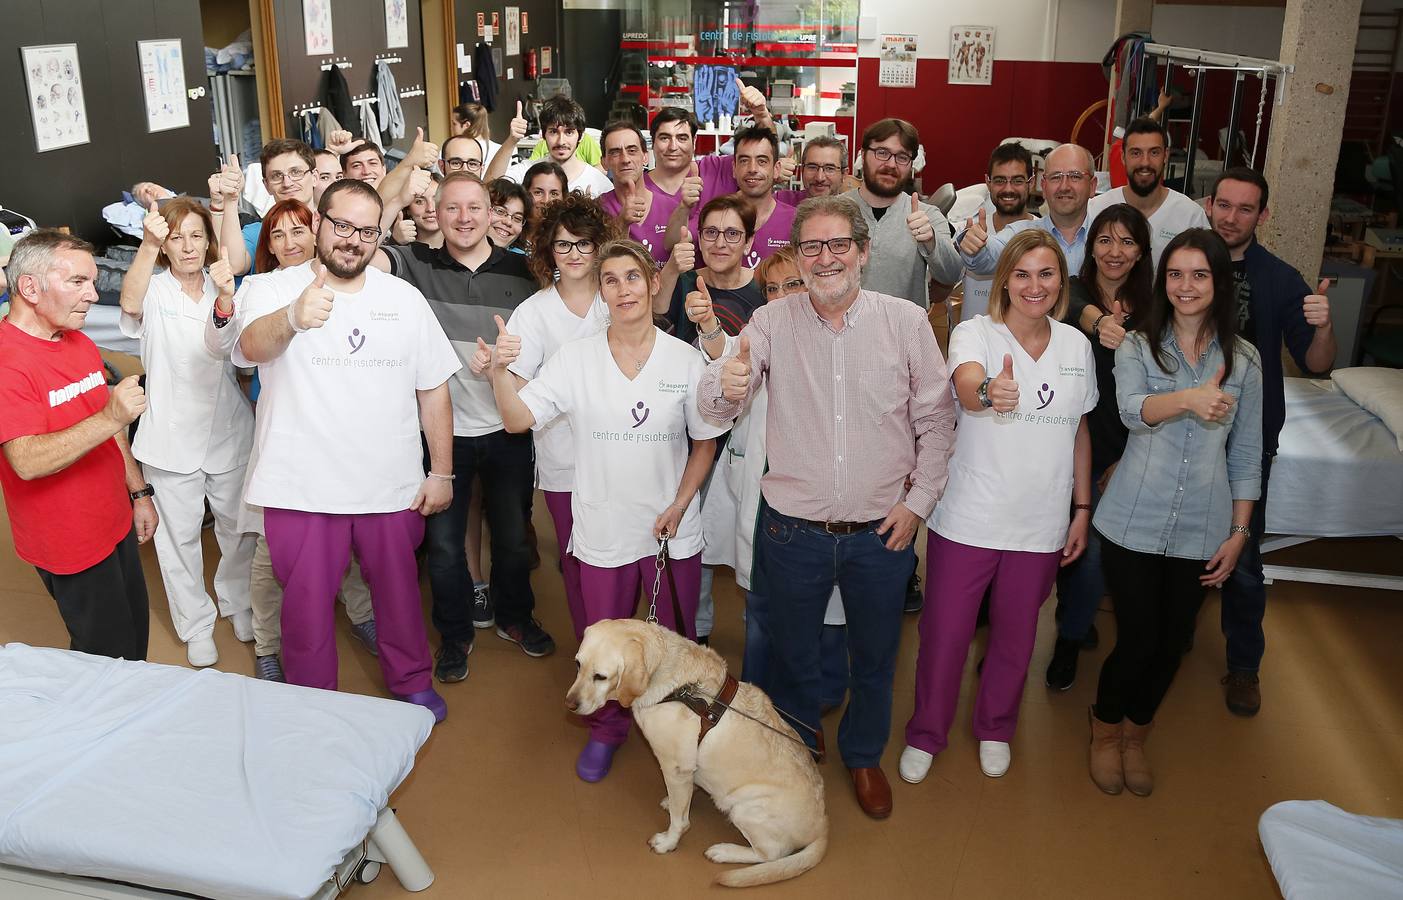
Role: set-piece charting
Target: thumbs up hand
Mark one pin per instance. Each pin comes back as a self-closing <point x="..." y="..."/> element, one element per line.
<point x="1003" y="389"/>
<point x="231" y="180"/>
<point x="976" y="234"/>
<point x="419" y="182"/>
<point x="699" y="308"/>
<point x="312" y="307"/>
<point x="735" y="374"/>
<point x="1209" y="401"/>
<point x="404" y="231"/>
<point x="1111" y="331"/>
<point x="919" y="224"/>
<point x="481" y="358"/>
<point x="508" y="346"/>
<point x="126" y="401"/>
<point x="691" y="187"/>
<point x="634" y="200"/>
<point x="1317" y="306"/>
<point x="518" y="126"/>
<point x="222" y="275"/>
<point x="684" y="253"/>
<point x="786" y="167"/>
<point x="154" y="227"/>
<point x="422" y="154"/>
<point x="340" y="140"/>
<point x="752" y="100"/>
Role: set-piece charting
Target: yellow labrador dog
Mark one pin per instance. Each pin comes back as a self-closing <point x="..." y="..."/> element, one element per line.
<point x="767" y="785"/>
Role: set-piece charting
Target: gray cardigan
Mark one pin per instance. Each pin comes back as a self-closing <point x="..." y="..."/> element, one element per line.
<point x="898" y="265"/>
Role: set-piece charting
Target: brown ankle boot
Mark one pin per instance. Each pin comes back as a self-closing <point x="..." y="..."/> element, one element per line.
<point x="1132" y="754"/>
<point x="1105" y="755"/>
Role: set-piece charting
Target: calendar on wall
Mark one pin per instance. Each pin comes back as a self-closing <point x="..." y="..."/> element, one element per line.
<point x="897" y="65"/>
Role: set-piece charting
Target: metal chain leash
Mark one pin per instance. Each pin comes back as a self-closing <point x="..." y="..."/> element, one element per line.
<point x="658" y="565"/>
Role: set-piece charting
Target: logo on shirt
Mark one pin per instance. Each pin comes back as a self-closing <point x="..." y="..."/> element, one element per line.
<point x="1049" y="391"/>
<point x="68" y="392"/>
<point x="634" y="412"/>
<point x="352" y="339"/>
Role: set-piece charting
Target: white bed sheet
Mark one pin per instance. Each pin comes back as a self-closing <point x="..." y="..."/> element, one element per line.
<point x="198" y="781"/>
<point x="1338" y="471"/>
<point x="101" y="327"/>
<point x="1318" y="851"/>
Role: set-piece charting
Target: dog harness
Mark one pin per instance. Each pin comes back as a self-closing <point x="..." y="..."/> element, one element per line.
<point x="709" y="712"/>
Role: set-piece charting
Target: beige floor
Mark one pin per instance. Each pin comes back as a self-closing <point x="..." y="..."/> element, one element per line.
<point x="496" y="808"/>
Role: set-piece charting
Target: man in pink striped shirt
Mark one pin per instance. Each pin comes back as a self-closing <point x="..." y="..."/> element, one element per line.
<point x="860" y="431"/>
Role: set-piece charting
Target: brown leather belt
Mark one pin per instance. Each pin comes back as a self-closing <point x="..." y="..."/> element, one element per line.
<point x="840" y="527"/>
<point x="709" y="712"/>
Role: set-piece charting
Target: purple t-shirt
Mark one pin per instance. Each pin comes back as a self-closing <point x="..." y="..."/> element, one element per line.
<point x="792" y="197"/>
<point x="769" y="237"/>
<point x="650" y="231"/>
<point x="718" y="175"/>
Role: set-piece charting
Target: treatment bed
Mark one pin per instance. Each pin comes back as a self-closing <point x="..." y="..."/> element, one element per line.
<point x="202" y="782"/>
<point x="1318" y="851"/>
<point x="1338" y="473"/>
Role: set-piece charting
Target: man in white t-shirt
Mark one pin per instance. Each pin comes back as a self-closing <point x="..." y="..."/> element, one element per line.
<point x="562" y="122"/>
<point x="1146" y="154"/>
<point x="353" y="364"/>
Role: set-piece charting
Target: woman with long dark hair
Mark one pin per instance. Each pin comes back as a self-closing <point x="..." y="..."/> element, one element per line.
<point x="1114" y="286"/>
<point x="1175" y="514"/>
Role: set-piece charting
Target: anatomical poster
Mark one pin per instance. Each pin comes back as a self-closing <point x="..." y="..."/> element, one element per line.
<point x="971" y="54"/>
<point x="55" y="96"/>
<point x="163" y="84"/>
<point x="316" y="23"/>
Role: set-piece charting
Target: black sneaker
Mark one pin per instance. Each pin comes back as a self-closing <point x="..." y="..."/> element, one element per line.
<point x="1062" y="671"/>
<point x="704" y="640"/>
<point x="1092" y="639"/>
<point x="915" y="597"/>
<point x="530" y="637"/>
<point x="482" y="608"/>
<point x="451" y="661"/>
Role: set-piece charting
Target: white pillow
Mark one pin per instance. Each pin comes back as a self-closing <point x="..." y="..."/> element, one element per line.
<point x="1377" y="390"/>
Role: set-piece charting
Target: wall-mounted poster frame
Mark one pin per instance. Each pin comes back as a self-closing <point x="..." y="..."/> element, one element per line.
<point x="163" y="84"/>
<point x="56" y="106"/>
<point x="316" y="26"/>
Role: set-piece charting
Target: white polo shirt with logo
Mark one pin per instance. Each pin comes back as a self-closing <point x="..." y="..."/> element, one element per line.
<point x="632" y="439"/>
<point x="338" y="417"/>
<point x="1010" y="484"/>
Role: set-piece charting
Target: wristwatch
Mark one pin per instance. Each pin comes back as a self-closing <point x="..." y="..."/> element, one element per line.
<point x="984" y="393"/>
<point x="147" y="491"/>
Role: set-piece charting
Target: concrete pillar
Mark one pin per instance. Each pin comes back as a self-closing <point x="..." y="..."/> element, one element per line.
<point x="1317" y="38"/>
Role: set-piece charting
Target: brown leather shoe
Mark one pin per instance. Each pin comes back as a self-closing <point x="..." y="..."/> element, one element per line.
<point x="1244" y="694"/>
<point x="873" y="791"/>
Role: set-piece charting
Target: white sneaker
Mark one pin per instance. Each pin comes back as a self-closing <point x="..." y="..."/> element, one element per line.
<point x="243" y="625"/>
<point x="915" y="764"/>
<point x="994" y="757"/>
<point x="201" y="652"/>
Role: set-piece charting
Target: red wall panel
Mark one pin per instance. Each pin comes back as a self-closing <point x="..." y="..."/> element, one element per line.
<point x="961" y="124"/>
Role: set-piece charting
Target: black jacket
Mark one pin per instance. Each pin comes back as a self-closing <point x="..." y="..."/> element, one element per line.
<point x="336" y="96"/>
<point x="486" y="76"/>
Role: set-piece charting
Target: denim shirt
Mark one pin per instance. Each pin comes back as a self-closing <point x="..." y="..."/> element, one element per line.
<point x="1173" y="491"/>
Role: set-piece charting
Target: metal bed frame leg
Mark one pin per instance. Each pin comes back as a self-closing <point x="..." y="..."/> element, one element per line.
<point x="390" y="843"/>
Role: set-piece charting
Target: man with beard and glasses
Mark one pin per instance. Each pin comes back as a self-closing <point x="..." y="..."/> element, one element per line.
<point x="914" y="236"/>
<point x="823" y="171"/>
<point x="1146" y="154"/>
<point x="859" y="434"/>
<point x="1275" y="306"/>
<point x="1068" y="182"/>
<point x="468" y="282"/>
<point x="1009" y="182"/>
<point x="353" y="365"/>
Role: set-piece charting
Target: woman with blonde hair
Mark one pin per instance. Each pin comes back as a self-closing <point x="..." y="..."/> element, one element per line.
<point x="194" y="440"/>
<point x="1018" y="501"/>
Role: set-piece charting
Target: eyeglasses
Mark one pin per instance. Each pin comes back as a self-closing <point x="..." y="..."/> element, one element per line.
<point x="788" y="287"/>
<point x="814" y="169"/>
<point x="346" y="229"/>
<point x="293" y="175"/>
<point x="837" y="246"/>
<point x="1069" y="177"/>
<point x="732" y="235"/>
<point x="502" y="212"/>
<point x="1001" y="181"/>
<point x="885" y="155"/>
<point x="563" y="248"/>
<point x="457" y="164"/>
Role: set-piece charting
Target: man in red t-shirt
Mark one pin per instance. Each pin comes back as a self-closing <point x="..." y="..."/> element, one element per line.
<point x="65" y="456"/>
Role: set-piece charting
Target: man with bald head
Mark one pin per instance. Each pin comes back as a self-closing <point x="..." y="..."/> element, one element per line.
<point x="1069" y="180"/>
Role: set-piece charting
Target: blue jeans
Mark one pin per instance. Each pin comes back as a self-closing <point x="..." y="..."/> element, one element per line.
<point x="506" y="465"/>
<point x="801" y="563"/>
<point x="757" y="668"/>
<point x="1081" y="585"/>
<point x="1244" y="602"/>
